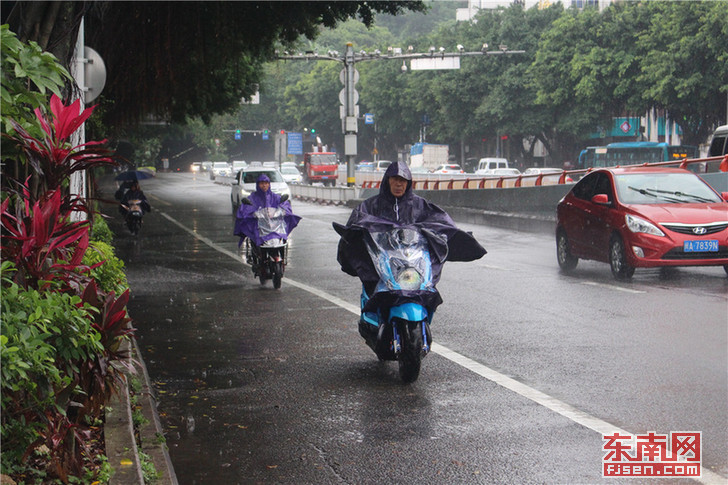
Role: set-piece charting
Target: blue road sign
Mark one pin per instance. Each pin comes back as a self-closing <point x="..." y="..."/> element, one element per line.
<point x="295" y="143"/>
<point x="368" y="118"/>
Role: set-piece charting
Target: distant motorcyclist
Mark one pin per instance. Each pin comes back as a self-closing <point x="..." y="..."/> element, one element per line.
<point x="246" y="223"/>
<point x="397" y="205"/>
<point x="134" y="193"/>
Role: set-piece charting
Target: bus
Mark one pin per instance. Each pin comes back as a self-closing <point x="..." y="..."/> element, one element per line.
<point x="634" y="153"/>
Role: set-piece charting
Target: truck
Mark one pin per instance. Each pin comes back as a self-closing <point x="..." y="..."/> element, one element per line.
<point x="320" y="167"/>
<point x="428" y="155"/>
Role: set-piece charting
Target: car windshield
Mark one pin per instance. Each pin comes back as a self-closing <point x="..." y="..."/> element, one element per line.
<point x="663" y="188"/>
<point x="252" y="177"/>
<point x="289" y="170"/>
<point x="220" y="165"/>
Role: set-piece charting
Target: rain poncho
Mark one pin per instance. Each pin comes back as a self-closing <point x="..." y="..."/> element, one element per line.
<point x="246" y="223"/>
<point x="384" y="211"/>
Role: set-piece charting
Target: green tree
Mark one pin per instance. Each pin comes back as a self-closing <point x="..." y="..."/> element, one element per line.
<point x="684" y="67"/>
<point x="188" y="58"/>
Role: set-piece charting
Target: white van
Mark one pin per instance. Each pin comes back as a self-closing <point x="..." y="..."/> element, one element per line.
<point x="719" y="144"/>
<point x="487" y="165"/>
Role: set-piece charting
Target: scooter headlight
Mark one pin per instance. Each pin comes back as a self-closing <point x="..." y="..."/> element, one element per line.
<point x="409" y="279"/>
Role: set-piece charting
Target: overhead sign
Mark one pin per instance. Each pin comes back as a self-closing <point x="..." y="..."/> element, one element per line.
<point x="295" y="143"/>
<point x="431" y="63"/>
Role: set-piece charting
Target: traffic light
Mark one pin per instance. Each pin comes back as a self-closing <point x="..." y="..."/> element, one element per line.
<point x="265" y="132"/>
<point x="313" y="131"/>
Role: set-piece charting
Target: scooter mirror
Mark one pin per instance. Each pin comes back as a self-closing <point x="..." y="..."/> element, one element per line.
<point x="284" y="197"/>
<point x="246" y="201"/>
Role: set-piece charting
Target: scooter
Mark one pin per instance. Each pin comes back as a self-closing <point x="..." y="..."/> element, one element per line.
<point x="268" y="261"/>
<point x="134" y="215"/>
<point x="398" y="322"/>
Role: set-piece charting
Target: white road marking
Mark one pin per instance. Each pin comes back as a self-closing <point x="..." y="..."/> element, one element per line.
<point x="612" y="287"/>
<point x="568" y="411"/>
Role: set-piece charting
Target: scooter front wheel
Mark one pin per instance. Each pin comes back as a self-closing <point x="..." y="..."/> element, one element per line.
<point x="410" y="358"/>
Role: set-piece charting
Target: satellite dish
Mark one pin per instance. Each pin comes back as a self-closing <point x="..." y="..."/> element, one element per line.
<point x="94" y="74"/>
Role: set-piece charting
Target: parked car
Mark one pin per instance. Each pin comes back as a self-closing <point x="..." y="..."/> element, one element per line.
<point x="291" y="174"/>
<point x="244" y="183"/>
<point x="449" y="168"/>
<point x="219" y="169"/>
<point x="547" y="171"/>
<point x="382" y="165"/>
<point x="488" y="164"/>
<point x="638" y="216"/>
<point x="365" y="166"/>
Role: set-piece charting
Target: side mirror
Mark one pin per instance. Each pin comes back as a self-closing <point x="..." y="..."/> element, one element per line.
<point x="724" y="195"/>
<point x="246" y="201"/>
<point x="601" y="199"/>
<point x="284" y="197"/>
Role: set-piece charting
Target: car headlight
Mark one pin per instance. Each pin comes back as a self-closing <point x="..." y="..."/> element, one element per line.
<point x="409" y="279"/>
<point x="637" y="224"/>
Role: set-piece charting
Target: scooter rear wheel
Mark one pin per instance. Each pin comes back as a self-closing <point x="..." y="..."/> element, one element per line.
<point x="277" y="275"/>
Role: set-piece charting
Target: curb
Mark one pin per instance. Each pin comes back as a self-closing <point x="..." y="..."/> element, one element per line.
<point x="119" y="434"/>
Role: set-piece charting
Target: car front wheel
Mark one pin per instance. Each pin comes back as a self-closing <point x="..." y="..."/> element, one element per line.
<point x="621" y="269"/>
<point x="566" y="260"/>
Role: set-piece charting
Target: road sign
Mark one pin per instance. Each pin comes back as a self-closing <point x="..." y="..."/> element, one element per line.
<point x="295" y="143"/>
<point x="237" y="135"/>
<point x="342" y="96"/>
<point x="368" y="118"/>
<point x="342" y="76"/>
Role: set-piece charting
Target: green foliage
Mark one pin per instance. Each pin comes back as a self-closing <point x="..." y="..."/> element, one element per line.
<point x="109" y="275"/>
<point x="100" y="230"/>
<point x="28" y="75"/>
<point x="44" y="337"/>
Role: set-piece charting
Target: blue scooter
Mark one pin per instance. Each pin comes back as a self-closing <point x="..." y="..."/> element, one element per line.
<point x="394" y="322"/>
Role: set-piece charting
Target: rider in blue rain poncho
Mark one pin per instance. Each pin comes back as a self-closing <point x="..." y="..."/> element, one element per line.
<point x="246" y="223"/>
<point x="396" y="205"/>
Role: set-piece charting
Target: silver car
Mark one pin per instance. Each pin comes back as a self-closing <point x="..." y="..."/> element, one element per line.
<point x="244" y="183"/>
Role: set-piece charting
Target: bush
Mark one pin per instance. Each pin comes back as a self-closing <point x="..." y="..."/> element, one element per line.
<point x="110" y="275"/>
<point x="100" y="230"/>
<point x="45" y="335"/>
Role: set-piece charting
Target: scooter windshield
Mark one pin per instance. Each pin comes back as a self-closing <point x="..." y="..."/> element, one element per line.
<point x="271" y="221"/>
<point x="402" y="259"/>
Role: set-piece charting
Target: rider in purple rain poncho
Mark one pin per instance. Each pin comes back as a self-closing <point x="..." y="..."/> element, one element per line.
<point x="246" y="223"/>
<point x="397" y="205"/>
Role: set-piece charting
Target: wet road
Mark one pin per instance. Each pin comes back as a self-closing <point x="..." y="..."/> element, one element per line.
<point x="276" y="386"/>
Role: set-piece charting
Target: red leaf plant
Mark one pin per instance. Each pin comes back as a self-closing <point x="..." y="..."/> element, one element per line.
<point x="52" y="157"/>
<point x="42" y="242"/>
<point x="102" y="376"/>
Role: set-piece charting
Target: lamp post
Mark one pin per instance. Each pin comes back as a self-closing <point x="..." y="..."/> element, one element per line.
<point x="434" y="59"/>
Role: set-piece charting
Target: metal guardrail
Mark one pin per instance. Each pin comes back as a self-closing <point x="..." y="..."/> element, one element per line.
<point x="371" y="180"/>
<point x="470" y="181"/>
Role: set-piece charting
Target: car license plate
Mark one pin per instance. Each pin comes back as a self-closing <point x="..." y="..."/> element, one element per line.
<point x="708" y="245"/>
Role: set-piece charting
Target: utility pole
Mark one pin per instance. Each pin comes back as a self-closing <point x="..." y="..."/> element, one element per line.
<point x="434" y="59"/>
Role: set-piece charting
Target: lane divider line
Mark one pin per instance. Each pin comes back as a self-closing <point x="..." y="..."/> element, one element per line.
<point x="560" y="407"/>
<point x="613" y="287"/>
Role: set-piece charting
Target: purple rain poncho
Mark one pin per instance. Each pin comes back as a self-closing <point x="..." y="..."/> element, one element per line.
<point x="383" y="212"/>
<point x="246" y="223"/>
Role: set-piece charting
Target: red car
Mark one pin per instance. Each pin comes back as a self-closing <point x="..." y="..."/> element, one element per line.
<point x="634" y="217"/>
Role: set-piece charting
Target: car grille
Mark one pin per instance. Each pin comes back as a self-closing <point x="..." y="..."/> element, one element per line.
<point x="678" y="254"/>
<point x="711" y="228"/>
